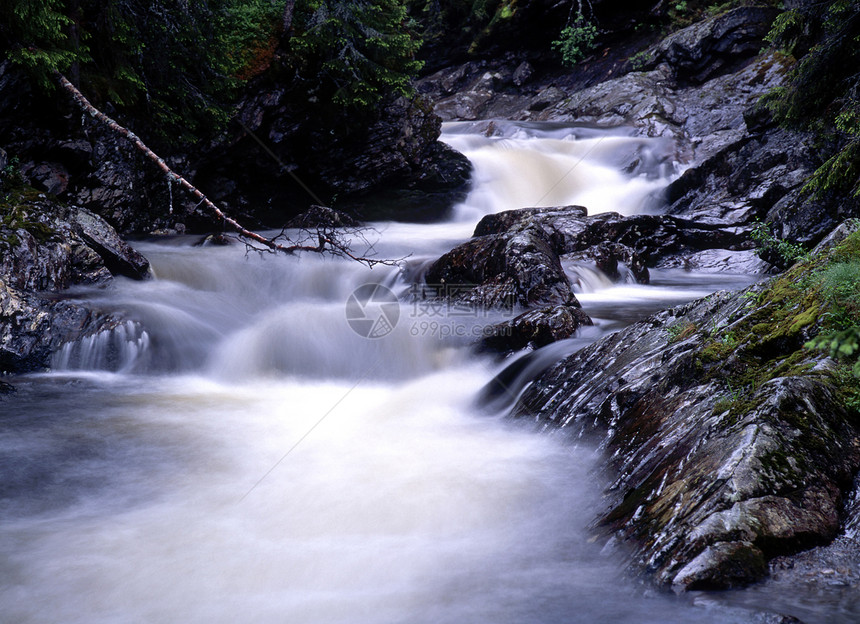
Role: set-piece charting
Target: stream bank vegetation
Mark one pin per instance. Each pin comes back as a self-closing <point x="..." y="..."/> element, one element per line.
<point x="789" y="325"/>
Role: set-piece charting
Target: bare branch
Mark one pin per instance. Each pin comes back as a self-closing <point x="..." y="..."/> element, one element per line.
<point x="327" y="240"/>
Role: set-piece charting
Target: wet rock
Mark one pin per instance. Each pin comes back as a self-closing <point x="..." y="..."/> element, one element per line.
<point x="118" y="256"/>
<point x="723" y="566"/>
<point x="607" y="256"/>
<point x="701" y="119"/>
<point x="53" y="248"/>
<point x="639" y="241"/>
<point x="744" y="180"/>
<point x="746" y="262"/>
<point x="33" y="328"/>
<point x="546" y="98"/>
<point x="700" y="51"/>
<point x="322" y="217"/>
<point x="466" y="106"/>
<point x="534" y="329"/>
<point x="516" y="268"/>
<point x="220" y="240"/>
<point x="523" y="73"/>
<point x="643" y="100"/>
<point x="53" y="178"/>
<point x="707" y="481"/>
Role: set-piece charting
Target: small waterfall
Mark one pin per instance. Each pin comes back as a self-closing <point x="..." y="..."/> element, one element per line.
<point x="518" y="166"/>
<point x="117" y="350"/>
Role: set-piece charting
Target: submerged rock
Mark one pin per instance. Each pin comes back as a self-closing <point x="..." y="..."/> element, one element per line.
<point x="322" y="217"/>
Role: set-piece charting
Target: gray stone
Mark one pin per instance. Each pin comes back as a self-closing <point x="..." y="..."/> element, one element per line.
<point x="523" y="73"/>
<point x="67" y="246"/>
<point x="534" y="329"/>
<point x="698" y="52"/>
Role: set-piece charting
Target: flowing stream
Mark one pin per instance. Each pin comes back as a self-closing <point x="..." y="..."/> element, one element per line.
<point x="237" y="450"/>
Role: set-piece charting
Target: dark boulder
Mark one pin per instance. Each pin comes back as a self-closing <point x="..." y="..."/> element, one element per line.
<point x="715" y="45"/>
<point x="118" y="256"/>
<point x="517" y="268"/>
<point x="534" y="329"/>
<point x="311" y="157"/>
<point x="640" y="241"/>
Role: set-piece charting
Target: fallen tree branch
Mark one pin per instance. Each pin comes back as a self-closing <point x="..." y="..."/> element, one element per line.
<point x="326" y="241"/>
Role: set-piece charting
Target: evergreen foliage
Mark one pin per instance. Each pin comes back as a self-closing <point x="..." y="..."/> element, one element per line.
<point x="174" y="61"/>
<point x="181" y="63"/>
<point x="823" y="91"/>
<point x="353" y="52"/>
<point x="36" y="34"/>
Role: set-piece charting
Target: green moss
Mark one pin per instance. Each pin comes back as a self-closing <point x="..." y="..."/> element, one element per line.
<point x="16" y="213"/>
<point x="804" y="319"/>
<point x="816" y="295"/>
<point x="715" y="352"/>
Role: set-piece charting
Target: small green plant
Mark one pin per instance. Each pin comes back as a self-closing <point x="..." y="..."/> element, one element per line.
<point x="729" y="339"/>
<point x="576" y="40"/>
<point x="640" y="60"/>
<point x="840" y="285"/>
<point x="681" y="330"/>
<point x="681" y="7"/>
<point x="10" y="175"/>
<point x="777" y="251"/>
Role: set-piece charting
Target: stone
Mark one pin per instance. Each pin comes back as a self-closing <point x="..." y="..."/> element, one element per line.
<point x="523" y="73"/>
<point x="516" y="268"/>
<point x="722" y="566"/>
<point x="606" y="256"/>
<point x="322" y="217"/>
<point x="55" y="248"/>
<point x="118" y="256"/>
<point x="534" y="329"/>
<point x="53" y="178"/>
<point x="698" y="52"/>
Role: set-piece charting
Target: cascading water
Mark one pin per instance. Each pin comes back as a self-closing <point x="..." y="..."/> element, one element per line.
<point x="235" y="451"/>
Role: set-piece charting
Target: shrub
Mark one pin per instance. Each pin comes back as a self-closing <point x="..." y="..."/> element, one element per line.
<point x="576" y="40"/>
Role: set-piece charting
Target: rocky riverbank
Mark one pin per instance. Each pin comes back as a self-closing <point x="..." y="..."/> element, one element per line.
<point x="728" y="443"/>
<point x="48" y="248"/>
